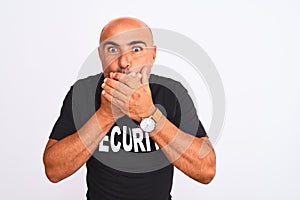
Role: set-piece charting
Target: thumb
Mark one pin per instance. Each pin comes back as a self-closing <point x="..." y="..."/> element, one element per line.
<point x="144" y="75"/>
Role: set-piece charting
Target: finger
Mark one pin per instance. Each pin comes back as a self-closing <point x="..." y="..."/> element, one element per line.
<point x="120" y="77"/>
<point x="132" y="73"/>
<point x="107" y="96"/>
<point x="128" y="79"/>
<point x="136" y="69"/>
<point x="144" y="75"/>
<point x="118" y="103"/>
<point x="134" y="82"/>
<point x="114" y="93"/>
<point x="121" y="87"/>
<point x="124" y="78"/>
<point x="111" y="74"/>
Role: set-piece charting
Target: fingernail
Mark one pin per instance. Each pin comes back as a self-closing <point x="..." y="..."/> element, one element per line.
<point x="114" y="73"/>
<point x="105" y="80"/>
<point x="103" y="84"/>
<point x="103" y="92"/>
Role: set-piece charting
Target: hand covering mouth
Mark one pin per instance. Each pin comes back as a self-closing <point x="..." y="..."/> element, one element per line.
<point x="127" y="71"/>
<point x="122" y="70"/>
<point x="134" y="69"/>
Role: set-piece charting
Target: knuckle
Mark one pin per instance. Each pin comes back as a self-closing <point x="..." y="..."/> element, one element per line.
<point x="118" y="85"/>
<point x="114" y="100"/>
<point x="108" y="89"/>
<point x="117" y="95"/>
<point x="114" y="93"/>
<point x="135" y="95"/>
<point x="119" y="76"/>
<point x="110" y="82"/>
<point x="137" y="78"/>
<point x="124" y="78"/>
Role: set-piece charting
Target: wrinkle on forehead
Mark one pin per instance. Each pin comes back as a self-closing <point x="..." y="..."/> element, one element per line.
<point x="130" y="37"/>
<point x="128" y="27"/>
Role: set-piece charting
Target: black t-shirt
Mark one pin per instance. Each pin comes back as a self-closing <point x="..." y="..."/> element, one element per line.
<point x="128" y="164"/>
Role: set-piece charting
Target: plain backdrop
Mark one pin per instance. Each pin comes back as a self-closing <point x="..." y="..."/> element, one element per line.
<point x="254" y="45"/>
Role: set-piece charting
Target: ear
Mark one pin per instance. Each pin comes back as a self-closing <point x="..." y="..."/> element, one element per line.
<point x="100" y="53"/>
<point x="154" y="53"/>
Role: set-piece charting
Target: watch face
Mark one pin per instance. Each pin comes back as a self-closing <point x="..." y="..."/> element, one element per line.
<point x="147" y="125"/>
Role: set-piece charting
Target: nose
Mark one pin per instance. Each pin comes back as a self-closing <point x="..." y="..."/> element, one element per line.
<point x="125" y="60"/>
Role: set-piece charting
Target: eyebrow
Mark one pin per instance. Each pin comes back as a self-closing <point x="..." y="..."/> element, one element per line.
<point x="137" y="42"/>
<point x="110" y="43"/>
<point x="130" y="43"/>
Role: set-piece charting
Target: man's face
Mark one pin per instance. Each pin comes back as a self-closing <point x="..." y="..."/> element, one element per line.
<point x="124" y="50"/>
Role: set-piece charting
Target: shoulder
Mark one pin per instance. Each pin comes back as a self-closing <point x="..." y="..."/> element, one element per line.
<point x="89" y="81"/>
<point x="88" y="85"/>
<point x="85" y="90"/>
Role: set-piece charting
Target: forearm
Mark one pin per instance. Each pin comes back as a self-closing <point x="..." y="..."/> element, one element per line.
<point x="193" y="156"/>
<point x="63" y="158"/>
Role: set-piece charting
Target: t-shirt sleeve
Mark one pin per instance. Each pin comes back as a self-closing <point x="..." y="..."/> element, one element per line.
<point x="64" y="126"/>
<point x="186" y="118"/>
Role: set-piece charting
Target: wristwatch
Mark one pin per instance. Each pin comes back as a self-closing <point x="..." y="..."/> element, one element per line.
<point x="148" y="124"/>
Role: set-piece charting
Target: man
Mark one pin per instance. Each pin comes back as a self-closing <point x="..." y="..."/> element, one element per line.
<point x="129" y="127"/>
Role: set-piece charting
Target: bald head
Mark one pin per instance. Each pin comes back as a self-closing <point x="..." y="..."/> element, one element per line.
<point x="126" y="45"/>
<point x="123" y="25"/>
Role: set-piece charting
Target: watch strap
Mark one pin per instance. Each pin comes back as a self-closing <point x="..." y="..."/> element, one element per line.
<point x="156" y="115"/>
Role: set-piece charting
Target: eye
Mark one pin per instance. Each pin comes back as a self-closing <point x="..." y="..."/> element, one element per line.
<point x="136" y="49"/>
<point x="112" y="49"/>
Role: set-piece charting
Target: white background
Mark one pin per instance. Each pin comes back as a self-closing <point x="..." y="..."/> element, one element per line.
<point x="254" y="45"/>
